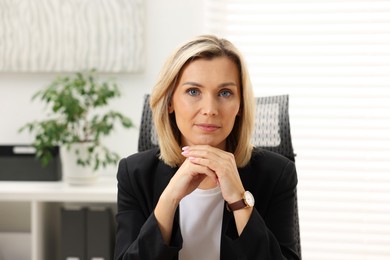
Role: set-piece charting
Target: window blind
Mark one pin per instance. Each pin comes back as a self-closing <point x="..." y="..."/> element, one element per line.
<point x="333" y="59"/>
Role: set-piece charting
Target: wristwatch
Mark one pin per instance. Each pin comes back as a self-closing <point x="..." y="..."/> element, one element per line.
<point x="247" y="201"/>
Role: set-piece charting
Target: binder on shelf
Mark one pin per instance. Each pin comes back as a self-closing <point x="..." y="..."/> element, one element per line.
<point x="18" y="163"/>
<point x="100" y="234"/>
<point x="73" y="234"/>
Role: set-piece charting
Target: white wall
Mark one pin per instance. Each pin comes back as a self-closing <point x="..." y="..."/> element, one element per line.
<point x="167" y="24"/>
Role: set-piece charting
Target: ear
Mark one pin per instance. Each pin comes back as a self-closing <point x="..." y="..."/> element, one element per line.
<point x="170" y="108"/>
<point x="239" y="112"/>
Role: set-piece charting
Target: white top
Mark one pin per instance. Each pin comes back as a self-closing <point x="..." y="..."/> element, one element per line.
<point x="201" y="215"/>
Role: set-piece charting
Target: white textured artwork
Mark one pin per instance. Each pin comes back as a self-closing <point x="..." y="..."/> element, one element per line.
<point x="71" y="35"/>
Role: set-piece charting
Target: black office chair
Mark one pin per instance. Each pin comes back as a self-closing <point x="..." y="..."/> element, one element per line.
<point x="272" y="132"/>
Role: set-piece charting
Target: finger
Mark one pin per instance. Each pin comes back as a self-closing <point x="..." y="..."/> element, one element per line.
<point x="209" y="164"/>
<point x="197" y="169"/>
<point x="204" y="151"/>
<point x="215" y="162"/>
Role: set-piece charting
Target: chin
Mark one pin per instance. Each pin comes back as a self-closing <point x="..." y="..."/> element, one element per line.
<point x="212" y="143"/>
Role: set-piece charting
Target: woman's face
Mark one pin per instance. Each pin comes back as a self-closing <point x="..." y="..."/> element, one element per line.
<point x="206" y="101"/>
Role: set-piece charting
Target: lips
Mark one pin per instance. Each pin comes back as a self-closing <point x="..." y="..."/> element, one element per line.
<point x="208" y="127"/>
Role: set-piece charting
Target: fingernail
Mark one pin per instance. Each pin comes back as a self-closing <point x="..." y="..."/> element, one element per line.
<point x="184" y="148"/>
<point x="185" y="152"/>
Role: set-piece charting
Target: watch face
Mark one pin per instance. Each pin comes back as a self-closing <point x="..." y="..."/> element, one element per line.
<point x="249" y="199"/>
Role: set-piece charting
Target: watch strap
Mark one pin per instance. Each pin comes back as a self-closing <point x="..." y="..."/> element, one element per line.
<point x="236" y="205"/>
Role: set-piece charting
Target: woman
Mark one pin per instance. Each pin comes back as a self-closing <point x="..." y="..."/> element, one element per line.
<point x="206" y="193"/>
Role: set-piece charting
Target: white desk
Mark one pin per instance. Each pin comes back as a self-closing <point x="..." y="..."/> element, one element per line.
<point x="46" y="199"/>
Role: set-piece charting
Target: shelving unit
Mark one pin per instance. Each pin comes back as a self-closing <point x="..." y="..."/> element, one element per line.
<point x="46" y="199"/>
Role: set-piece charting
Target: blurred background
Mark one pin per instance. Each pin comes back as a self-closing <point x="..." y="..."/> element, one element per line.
<point x="331" y="57"/>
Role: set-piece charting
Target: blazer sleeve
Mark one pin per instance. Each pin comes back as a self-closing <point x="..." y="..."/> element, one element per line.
<point x="138" y="235"/>
<point x="273" y="235"/>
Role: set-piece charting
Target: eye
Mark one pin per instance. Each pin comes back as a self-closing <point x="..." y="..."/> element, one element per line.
<point x="225" y="93"/>
<point x="193" y="92"/>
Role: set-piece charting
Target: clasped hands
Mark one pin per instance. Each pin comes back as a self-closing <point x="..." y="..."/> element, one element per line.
<point x="206" y="167"/>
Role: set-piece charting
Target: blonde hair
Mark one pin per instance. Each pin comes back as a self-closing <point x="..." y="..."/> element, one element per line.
<point x="201" y="47"/>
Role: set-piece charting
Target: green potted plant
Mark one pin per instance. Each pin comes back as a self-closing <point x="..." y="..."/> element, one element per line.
<point x="78" y="119"/>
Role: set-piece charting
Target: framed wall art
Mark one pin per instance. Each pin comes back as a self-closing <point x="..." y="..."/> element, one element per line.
<point x="71" y="35"/>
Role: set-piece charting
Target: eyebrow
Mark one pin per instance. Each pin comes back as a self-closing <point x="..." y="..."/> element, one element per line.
<point x="222" y="85"/>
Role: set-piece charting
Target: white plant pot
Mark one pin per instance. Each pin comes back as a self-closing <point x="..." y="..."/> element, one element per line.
<point x="73" y="173"/>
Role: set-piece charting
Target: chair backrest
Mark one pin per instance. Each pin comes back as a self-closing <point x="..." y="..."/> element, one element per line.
<point x="272" y="127"/>
<point x="147" y="135"/>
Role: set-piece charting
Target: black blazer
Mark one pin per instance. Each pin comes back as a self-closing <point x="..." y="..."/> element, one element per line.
<point x="271" y="232"/>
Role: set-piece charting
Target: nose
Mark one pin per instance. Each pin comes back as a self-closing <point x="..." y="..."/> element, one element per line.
<point x="209" y="106"/>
